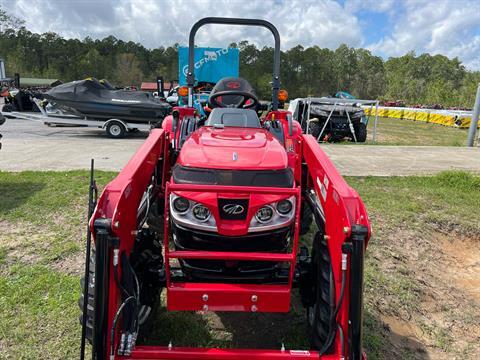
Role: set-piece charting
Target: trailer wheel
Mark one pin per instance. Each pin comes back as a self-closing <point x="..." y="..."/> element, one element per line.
<point x="115" y="129"/>
<point x="360" y="132"/>
<point x="318" y="314"/>
<point x="146" y="312"/>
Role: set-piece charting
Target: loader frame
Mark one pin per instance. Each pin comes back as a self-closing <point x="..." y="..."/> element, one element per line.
<point x="336" y="206"/>
<point x="115" y="218"/>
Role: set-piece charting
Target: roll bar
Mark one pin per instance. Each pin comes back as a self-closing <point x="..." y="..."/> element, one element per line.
<point x="234" y="21"/>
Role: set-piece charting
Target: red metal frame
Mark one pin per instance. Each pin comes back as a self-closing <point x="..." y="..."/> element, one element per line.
<point x="166" y="353"/>
<point x="341" y="205"/>
<point x="230" y="297"/>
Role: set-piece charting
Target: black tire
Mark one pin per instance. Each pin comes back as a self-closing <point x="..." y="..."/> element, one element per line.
<point x="319" y="313"/>
<point x="306" y="218"/>
<point x="115" y="129"/>
<point x="90" y="305"/>
<point x="8" y="108"/>
<point x="360" y="132"/>
<point x="146" y="313"/>
<point x="314" y="128"/>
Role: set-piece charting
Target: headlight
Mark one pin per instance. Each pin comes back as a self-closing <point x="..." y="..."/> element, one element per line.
<point x="201" y="213"/>
<point x="284" y="207"/>
<point x="191" y="214"/>
<point x="181" y="204"/>
<point x="264" y="214"/>
<point x="275" y="215"/>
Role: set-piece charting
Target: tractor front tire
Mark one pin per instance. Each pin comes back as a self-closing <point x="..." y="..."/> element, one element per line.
<point x="360" y="132"/>
<point x="306" y="218"/>
<point x="319" y="313"/>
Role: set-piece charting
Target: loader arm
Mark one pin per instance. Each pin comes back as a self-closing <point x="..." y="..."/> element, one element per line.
<point x="346" y="221"/>
<point x="114" y="223"/>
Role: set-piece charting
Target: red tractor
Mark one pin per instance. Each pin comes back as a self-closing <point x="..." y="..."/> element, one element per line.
<point x="210" y="211"/>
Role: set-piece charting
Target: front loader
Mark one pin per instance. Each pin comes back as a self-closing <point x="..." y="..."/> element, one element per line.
<point x="211" y="212"/>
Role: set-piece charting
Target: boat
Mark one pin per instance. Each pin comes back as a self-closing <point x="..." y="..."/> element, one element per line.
<point x="92" y="99"/>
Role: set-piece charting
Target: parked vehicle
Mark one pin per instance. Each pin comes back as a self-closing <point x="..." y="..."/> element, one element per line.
<point x="19" y="100"/>
<point x="331" y="119"/>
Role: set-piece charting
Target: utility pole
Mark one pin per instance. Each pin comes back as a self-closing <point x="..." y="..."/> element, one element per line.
<point x="474" y="121"/>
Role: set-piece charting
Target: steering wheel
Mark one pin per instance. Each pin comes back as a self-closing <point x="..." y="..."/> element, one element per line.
<point x="246" y="96"/>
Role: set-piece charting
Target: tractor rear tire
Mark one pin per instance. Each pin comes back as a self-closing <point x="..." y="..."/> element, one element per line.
<point x="360" y="132"/>
<point x="319" y="314"/>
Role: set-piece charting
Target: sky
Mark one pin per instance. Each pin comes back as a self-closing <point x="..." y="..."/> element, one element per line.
<point x="385" y="27"/>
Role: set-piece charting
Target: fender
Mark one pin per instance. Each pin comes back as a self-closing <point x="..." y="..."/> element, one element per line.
<point x="105" y="124"/>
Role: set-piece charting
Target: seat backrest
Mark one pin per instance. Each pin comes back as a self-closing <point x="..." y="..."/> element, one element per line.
<point x="233" y="117"/>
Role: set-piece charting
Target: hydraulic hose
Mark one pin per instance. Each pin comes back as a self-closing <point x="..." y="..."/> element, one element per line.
<point x="342" y="341"/>
<point x="136" y="323"/>
<point x="114" y="325"/>
<point x="133" y="321"/>
<point x="117" y="281"/>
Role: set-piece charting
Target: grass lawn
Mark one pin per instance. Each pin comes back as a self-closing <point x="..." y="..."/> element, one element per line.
<point x="409" y="132"/>
<point x="421" y="282"/>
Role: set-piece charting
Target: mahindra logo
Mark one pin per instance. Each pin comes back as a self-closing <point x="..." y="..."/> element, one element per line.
<point x="233" y="209"/>
<point x="233" y="85"/>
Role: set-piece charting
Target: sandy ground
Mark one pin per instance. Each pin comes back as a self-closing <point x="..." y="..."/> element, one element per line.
<point x="29" y="145"/>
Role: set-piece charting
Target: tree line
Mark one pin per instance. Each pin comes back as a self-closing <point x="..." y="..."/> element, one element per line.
<point x="305" y="71"/>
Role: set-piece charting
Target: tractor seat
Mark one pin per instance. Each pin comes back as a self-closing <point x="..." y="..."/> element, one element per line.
<point x="232" y="117"/>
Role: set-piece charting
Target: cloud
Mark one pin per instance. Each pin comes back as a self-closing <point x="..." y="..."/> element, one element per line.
<point x="385" y="6"/>
<point x="437" y="27"/>
<point x="444" y="27"/>
<point x="155" y="23"/>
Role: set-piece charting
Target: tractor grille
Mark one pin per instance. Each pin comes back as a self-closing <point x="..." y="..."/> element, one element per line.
<point x="271" y="241"/>
<point x="238" y="271"/>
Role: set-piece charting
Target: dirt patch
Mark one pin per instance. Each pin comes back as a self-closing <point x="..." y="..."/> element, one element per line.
<point x="427" y="295"/>
<point x="404" y="339"/>
<point x="72" y="265"/>
<point x="464" y="262"/>
<point x="16" y="239"/>
<point x="31" y="244"/>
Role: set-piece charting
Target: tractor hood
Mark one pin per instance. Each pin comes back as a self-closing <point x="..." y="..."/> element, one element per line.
<point x="233" y="148"/>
